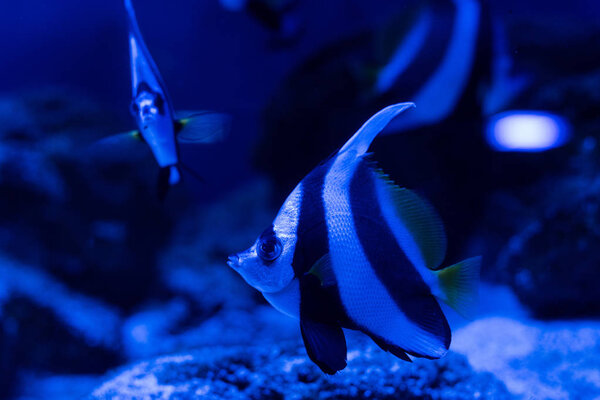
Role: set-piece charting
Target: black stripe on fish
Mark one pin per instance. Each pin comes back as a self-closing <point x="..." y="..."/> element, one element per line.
<point x="312" y="242"/>
<point x="317" y="303"/>
<point x="395" y="271"/>
<point x="431" y="54"/>
<point x="481" y="69"/>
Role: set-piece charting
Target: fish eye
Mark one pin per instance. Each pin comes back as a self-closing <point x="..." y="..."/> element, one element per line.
<point x="269" y="248"/>
<point x="133" y="108"/>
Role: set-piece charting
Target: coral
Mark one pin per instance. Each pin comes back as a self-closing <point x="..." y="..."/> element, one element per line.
<point x="93" y="223"/>
<point x="284" y="372"/>
<point x="535" y="360"/>
<point x="552" y="260"/>
<point x="46" y="325"/>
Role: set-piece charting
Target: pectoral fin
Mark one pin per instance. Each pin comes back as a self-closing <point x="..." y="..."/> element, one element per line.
<point x="121" y="138"/>
<point x="202" y="127"/>
<point x="325" y="345"/>
<point x="323" y="271"/>
<point x="117" y="147"/>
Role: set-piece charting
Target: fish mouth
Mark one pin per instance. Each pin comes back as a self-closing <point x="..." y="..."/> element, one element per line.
<point x="233" y="261"/>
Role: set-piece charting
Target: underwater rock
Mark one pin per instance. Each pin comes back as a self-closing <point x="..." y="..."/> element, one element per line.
<point x="8" y="357"/>
<point x="552" y="264"/>
<point x="194" y="264"/>
<point x="285" y="372"/>
<point x="208" y="234"/>
<point x="175" y="327"/>
<point x="574" y="95"/>
<point x="45" y="326"/>
<point x="35" y="386"/>
<point x="538" y="232"/>
<point x="57" y="110"/>
<point x="542" y="239"/>
<point x="96" y="225"/>
<point x="538" y="360"/>
<point x="210" y="303"/>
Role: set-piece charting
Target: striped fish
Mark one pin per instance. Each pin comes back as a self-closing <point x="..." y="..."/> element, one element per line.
<point x="450" y="56"/>
<point x="349" y="249"/>
<point x="158" y="125"/>
<point x="436" y="63"/>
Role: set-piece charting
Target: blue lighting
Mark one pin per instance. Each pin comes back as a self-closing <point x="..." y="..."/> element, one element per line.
<point x="529" y="131"/>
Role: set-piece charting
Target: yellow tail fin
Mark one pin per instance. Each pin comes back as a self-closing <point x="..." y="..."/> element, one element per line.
<point x="459" y="285"/>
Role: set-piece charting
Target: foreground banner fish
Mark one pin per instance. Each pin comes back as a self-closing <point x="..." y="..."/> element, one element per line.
<point x="350" y="249"/>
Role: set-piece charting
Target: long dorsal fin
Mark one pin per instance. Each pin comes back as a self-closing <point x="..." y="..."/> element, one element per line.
<point x="362" y="139"/>
<point x="201" y="126"/>
<point x="421" y="220"/>
<point x="143" y="67"/>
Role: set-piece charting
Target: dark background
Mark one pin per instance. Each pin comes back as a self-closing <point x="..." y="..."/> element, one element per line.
<point x="209" y="58"/>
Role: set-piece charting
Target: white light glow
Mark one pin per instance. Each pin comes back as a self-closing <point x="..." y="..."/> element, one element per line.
<point x="526" y="131"/>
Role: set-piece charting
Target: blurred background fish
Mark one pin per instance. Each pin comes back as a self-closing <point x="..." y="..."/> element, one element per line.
<point x="158" y="125"/>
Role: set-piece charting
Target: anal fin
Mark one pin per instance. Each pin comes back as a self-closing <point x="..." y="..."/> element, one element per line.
<point x="395" y="350"/>
<point x="118" y="147"/>
<point x="325" y="345"/>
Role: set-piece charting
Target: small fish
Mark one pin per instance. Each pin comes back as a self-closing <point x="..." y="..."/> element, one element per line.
<point x="158" y="125"/>
<point x="350" y="249"/>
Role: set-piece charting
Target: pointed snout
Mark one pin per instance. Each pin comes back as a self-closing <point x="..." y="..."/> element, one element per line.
<point x="233" y="261"/>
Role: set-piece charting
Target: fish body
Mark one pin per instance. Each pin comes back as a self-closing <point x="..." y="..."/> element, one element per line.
<point x="151" y="105"/>
<point x="349" y="249"/>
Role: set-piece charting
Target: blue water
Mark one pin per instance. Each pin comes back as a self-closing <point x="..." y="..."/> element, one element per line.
<point x="106" y="291"/>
